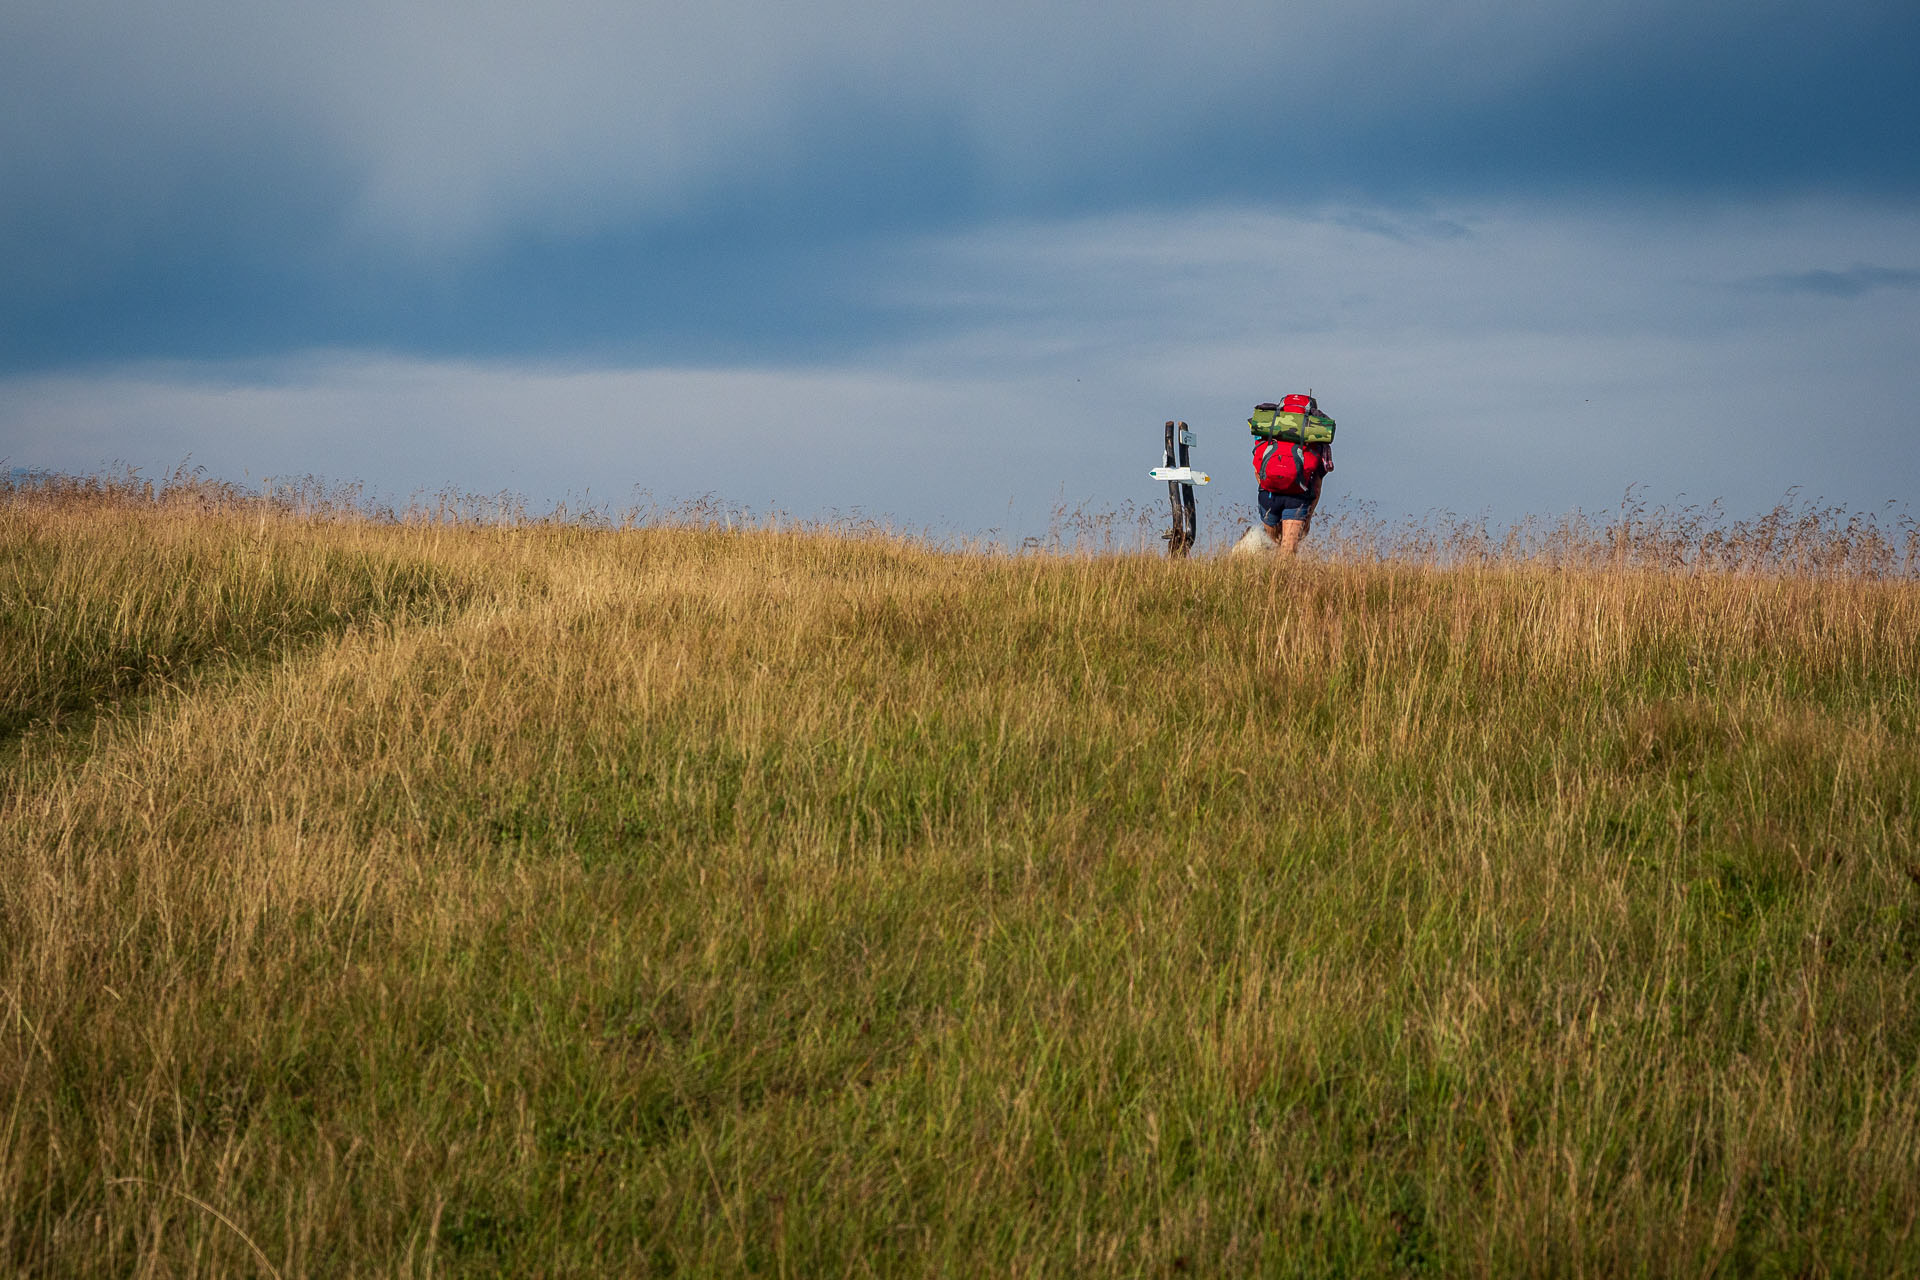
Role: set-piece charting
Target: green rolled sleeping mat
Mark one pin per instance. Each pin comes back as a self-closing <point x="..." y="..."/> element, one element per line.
<point x="1298" y="426"/>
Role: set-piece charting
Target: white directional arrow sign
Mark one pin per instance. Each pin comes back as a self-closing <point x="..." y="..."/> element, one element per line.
<point x="1181" y="475"/>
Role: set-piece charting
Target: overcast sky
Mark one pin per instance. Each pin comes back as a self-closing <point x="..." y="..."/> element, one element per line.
<point x="955" y="261"/>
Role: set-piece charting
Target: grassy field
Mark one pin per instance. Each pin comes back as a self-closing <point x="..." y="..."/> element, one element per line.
<point x="419" y="897"/>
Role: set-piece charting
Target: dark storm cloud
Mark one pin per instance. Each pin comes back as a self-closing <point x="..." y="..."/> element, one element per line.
<point x="213" y="178"/>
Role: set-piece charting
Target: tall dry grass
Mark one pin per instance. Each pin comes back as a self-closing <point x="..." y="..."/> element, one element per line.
<point x="480" y="896"/>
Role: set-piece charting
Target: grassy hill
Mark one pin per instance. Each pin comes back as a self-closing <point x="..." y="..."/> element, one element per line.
<point x="385" y="897"/>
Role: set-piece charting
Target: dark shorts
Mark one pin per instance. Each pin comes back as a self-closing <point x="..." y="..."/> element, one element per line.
<point x="1275" y="507"/>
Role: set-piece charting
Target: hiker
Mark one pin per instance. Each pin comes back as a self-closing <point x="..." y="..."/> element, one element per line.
<point x="1292" y="453"/>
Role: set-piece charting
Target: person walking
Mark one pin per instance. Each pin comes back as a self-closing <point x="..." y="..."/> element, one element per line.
<point x="1292" y="454"/>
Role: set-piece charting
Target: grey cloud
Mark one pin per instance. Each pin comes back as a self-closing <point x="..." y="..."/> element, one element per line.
<point x="1401" y="226"/>
<point x="1219" y="276"/>
<point x="1546" y="361"/>
<point x="449" y="121"/>
<point x="1851" y="283"/>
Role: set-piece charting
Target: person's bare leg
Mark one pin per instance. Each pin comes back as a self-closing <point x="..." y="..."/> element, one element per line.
<point x="1291" y="531"/>
<point x="1272" y="531"/>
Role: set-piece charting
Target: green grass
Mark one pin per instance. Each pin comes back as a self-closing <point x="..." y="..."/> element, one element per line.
<point x="93" y="612"/>
<point x="556" y="901"/>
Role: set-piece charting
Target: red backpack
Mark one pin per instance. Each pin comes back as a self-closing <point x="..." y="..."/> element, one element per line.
<point x="1288" y="468"/>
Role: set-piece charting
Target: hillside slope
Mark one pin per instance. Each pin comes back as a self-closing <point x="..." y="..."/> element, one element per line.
<point x="394" y="899"/>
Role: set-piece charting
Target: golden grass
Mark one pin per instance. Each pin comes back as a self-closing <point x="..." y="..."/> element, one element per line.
<point x="542" y="898"/>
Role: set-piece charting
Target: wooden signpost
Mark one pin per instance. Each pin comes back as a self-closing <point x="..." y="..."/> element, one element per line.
<point x="1180" y="477"/>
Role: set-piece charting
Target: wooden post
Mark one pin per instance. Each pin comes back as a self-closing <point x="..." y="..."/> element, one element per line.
<point x="1176" y="537"/>
<point x="1192" y="524"/>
